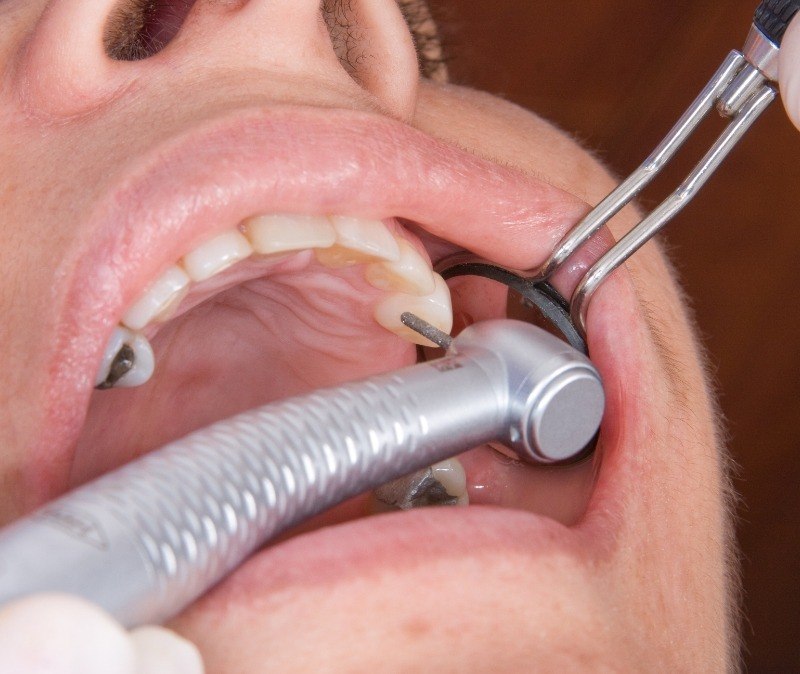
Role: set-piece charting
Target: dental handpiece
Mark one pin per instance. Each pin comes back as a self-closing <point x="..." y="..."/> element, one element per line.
<point x="149" y="538"/>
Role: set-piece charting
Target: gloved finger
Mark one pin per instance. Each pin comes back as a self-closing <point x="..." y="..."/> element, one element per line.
<point x="57" y="634"/>
<point x="160" y="651"/>
<point x="789" y="70"/>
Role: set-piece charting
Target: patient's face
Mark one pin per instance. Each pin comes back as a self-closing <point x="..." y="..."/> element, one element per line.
<point x="119" y="163"/>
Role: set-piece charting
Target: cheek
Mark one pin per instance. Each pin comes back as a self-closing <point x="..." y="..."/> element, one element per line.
<point x="45" y="179"/>
<point x="504" y="132"/>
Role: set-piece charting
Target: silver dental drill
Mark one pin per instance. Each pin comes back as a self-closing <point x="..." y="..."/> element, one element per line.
<point x="146" y="540"/>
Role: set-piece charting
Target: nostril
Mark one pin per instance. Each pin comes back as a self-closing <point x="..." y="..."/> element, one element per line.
<point x="346" y="35"/>
<point x="374" y="44"/>
<point x="138" y="29"/>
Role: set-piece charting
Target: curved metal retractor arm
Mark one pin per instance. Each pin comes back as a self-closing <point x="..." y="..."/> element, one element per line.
<point x="741" y="90"/>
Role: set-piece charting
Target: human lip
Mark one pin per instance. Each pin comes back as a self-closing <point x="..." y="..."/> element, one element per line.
<point x="394" y="541"/>
<point x="285" y="159"/>
<point x="290" y="160"/>
<point x="217" y="175"/>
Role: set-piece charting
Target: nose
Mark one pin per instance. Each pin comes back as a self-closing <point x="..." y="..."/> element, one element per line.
<point x="83" y="53"/>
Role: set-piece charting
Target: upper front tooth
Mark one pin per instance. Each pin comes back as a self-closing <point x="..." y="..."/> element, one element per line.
<point x="159" y="299"/>
<point x="410" y="274"/>
<point x="216" y="255"/>
<point x="436" y="308"/>
<point x="270" y="234"/>
<point x="359" y="241"/>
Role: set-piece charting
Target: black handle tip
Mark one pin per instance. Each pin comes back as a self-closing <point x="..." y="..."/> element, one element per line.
<point x="773" y="16"/>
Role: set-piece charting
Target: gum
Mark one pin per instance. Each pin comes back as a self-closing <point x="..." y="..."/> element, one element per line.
<point x="559" y="492"/>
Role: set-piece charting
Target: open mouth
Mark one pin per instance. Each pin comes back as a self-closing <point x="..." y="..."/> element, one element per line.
<point x="271" y="254"/>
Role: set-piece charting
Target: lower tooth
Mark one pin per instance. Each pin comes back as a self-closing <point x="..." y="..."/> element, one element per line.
<point x="442" y="484"/>
<point x="450" y="474"/>
<point x="435" y="308"/>
<point x="128" y="361"/>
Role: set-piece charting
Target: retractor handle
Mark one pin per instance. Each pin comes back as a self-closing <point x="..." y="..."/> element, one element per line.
<point x="772" y="18"/>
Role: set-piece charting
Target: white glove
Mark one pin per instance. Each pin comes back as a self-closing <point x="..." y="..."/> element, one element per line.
<point x="57" y="634"/>
<point x="789" y="70"/>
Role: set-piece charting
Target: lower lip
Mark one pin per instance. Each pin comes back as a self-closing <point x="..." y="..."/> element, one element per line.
<point x="391" y="541"/>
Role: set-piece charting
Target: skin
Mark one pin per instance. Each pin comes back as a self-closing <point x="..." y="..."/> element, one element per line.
<point x="645" y="580"/>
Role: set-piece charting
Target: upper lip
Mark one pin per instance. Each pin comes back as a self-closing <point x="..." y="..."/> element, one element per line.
<point x="284" y="159"/>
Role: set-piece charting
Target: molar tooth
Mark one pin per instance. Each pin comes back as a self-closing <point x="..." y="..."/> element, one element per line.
<point x="115" y="343"/>
<point x="453" y="478"/>
<point x="411" y="274"/>
<point x="270" y="234"/>
<point x="436" y="308"/>
<point x="444" y="483"/>
<point x="358" y="241"/>
<point x="136" y="372"/>
<point x="157" y="302"/>
<point x="216" y="255"/>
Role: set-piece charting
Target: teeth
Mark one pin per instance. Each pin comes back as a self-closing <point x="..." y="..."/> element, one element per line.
<point x="159" y="300"/>
<point x="357" y="242"/>
<point x="411" y="274"/>
<point x="115" y="343"/>
<point x="392" y="264"/>
<point x="452" y="477"/>
<point x="444" y="483"/>
<point x="436" y="308"/>
<point x="216" y="255"/>
<point x="126" y="368"/>
<point x="271" y="234"/>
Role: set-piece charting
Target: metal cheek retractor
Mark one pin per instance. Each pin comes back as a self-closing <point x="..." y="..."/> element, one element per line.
<point x="533" y="292"/>
<point x="147" y="539"/>
<point x="741" y="90"/>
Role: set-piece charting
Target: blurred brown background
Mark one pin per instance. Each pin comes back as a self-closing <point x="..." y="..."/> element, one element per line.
<point x="618" y="75"/>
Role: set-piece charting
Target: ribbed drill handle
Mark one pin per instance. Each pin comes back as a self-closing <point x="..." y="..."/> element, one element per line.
<point x="773" y="17"/>
<point x="146" y="540"/>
